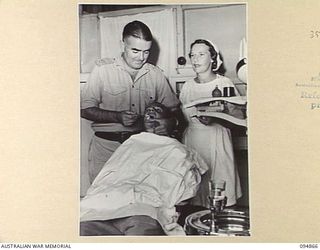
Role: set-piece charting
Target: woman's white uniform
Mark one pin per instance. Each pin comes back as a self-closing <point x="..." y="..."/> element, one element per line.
<point x="212" y="142"/>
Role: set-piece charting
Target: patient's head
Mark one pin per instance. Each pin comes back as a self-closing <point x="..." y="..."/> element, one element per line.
<point x="153" y="112"/>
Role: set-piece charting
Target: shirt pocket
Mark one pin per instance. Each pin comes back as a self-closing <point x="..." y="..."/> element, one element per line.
<point x="147" y="95"/>
<point x="115" y="98"/>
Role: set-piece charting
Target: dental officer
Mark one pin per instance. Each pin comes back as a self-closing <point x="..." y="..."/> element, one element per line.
<point x="117" y="93"/>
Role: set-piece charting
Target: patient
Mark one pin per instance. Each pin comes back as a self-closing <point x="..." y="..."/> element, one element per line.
<point x="137" y="190"/>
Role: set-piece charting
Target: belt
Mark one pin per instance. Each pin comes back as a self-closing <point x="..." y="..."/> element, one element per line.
<point x="115" y="136"/>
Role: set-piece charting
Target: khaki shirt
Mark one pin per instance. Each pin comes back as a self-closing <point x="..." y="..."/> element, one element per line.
<point x="111" y="87"/>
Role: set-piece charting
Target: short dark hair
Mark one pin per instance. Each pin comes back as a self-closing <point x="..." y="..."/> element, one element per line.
<point x="137" y="29"/>
<point x="213" y="52"/>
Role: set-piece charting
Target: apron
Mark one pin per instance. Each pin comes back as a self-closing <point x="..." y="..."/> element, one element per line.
<point x="212" y="142"/>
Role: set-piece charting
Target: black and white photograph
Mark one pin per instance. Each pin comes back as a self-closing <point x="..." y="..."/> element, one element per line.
<point x="129" y="124"/>
<point x="164" y="120"/>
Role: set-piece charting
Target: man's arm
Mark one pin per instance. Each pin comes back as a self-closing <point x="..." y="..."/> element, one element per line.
<point x="127" y="118"/>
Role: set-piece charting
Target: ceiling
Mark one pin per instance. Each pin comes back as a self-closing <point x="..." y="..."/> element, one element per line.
<point x="96" y="8"/>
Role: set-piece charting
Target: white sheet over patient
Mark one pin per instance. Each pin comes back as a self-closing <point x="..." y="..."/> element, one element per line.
<point x="147" y="175"/>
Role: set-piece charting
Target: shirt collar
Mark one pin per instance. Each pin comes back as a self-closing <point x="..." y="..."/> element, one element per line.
<point x="121" y="63"/>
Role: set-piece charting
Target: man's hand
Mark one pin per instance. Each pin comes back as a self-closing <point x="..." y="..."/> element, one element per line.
<point x="128" y="118"/>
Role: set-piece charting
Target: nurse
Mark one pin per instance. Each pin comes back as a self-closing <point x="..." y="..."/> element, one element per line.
<point x="204" y="134"/>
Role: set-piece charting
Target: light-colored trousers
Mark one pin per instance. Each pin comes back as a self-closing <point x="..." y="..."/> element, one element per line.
<point x="100" y="151"/>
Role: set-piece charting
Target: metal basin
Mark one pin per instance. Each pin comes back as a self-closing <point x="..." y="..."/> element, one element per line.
<point x="228" y="223"/>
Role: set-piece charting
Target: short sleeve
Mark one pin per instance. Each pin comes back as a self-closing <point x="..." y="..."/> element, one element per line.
<point x="165" y="93"/>
<point x="91" y="92"/>
<point x="183" y="93"/>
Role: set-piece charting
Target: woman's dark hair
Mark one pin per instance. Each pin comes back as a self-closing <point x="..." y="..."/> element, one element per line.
<point x="213" y="52"/>
<point x="137" y="29"/>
